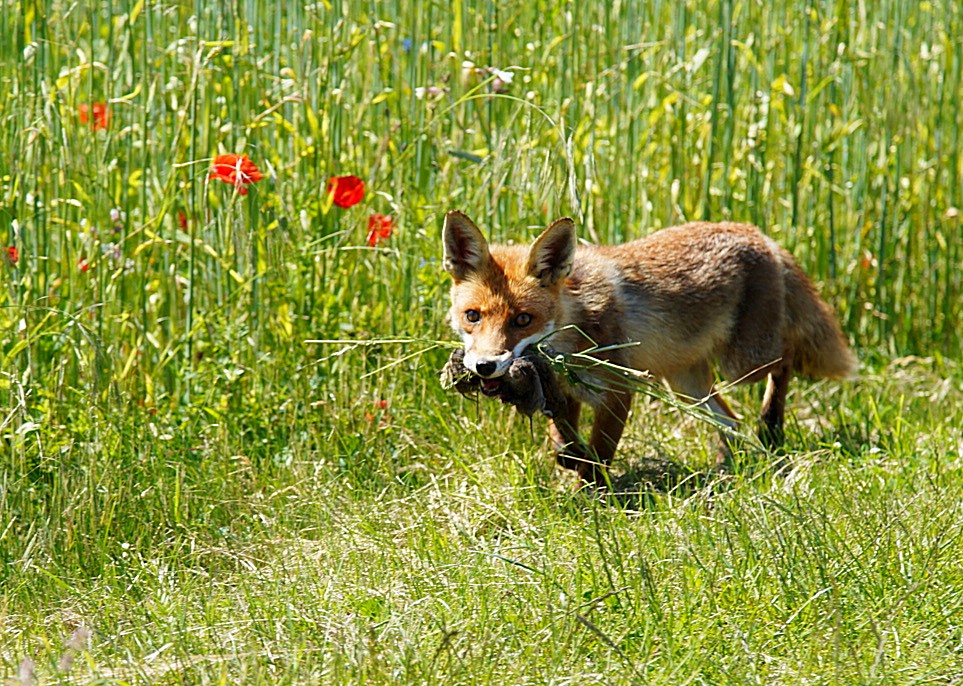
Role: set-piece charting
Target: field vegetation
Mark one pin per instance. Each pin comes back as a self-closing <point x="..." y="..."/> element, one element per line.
<point x="225" y="456"/>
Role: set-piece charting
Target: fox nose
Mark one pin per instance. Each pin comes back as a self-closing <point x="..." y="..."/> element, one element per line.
<point x="485" y="368"/>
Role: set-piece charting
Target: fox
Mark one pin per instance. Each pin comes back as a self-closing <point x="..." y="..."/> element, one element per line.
<point x="679" y="304"/>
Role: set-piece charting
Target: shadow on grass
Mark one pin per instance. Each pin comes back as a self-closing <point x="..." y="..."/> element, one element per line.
<point x="646" y="479"/>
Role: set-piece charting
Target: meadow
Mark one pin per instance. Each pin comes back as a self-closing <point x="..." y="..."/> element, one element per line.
<point x="225" y="456"/>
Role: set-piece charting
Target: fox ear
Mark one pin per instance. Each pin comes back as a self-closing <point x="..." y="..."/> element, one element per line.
<point x="466" y="250"/>
<point x="550" y="258"/>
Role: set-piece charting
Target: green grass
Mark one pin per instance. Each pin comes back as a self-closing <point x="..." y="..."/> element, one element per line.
<point x="190" y="492"/>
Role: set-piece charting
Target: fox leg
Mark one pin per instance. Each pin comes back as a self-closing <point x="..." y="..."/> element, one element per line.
<point x="696" y="383"/>
<point x="607" y="430"/>
<point x="569" y="447"/>
<point x="771" y="431"/>
<point x="590" y="460"/>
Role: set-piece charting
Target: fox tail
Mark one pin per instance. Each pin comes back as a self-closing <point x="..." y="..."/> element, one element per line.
<point x="819" y="348"/>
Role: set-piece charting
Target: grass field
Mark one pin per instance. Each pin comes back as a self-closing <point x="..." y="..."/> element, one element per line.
<point x="194" y="490"/>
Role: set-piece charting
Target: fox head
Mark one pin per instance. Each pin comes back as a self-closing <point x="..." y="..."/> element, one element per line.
<point x="504" y="298"/>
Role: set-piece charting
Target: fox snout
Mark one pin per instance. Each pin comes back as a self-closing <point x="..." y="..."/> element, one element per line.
<point x="486" y="368"/>
<point x="488" y="365"/>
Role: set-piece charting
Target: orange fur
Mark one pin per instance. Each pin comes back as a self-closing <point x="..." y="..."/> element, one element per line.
<point x="677" y="303"/>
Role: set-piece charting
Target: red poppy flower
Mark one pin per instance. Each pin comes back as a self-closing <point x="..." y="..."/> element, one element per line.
<point x="84" y="265"/>
<point x="345" y="191"/>
<point x="237" y="170"/>
<point x="380" y="228"/>
<point x="380" y="406"/>
<point x="11" y="255"/>
<point x="101" y="115"/>
<point x="182" y="219"/>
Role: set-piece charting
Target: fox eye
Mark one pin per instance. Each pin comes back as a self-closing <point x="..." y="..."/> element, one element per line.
<point x="473" y="316"/>
<point x="523" y="319"/>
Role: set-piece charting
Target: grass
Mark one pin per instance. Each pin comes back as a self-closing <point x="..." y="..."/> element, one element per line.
<point x="192" y="493"/>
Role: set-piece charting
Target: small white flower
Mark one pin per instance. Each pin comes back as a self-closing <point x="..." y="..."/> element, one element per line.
<point x="505" y="76"/>
<point x="431" y="92"/>
<point x="111" y="250"/>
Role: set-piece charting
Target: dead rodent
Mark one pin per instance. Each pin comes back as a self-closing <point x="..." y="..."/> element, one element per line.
<point x="529" y="383"/>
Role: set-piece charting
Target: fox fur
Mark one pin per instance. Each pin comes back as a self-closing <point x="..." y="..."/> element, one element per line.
<point x="676" y="304"/>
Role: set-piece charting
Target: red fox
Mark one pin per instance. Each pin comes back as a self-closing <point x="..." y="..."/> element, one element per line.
<point x="673" y="304"/>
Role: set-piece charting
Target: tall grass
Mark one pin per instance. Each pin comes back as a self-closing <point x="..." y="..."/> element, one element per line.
<point x="183" y="474"/>
<point x="630" y="119"/>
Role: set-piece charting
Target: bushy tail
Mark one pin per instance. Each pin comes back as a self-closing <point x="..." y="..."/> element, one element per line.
<point x="819" y="348"/>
